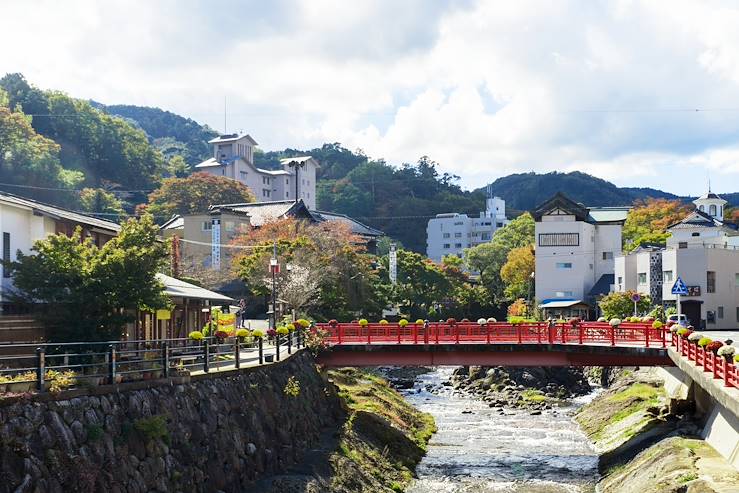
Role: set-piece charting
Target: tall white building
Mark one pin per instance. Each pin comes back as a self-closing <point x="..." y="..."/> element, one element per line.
<point x="575" y="248"/>
<point x="233" y="157"/>
<point x="703" y="251"/>
<point x="451" y="233"/>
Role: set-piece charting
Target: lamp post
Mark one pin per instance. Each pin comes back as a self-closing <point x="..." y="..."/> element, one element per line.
<point x="274" y="268"/>
<point x="296" y="165"/>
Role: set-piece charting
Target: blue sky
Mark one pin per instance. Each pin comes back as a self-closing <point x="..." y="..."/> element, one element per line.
<point x="486" y="88"/>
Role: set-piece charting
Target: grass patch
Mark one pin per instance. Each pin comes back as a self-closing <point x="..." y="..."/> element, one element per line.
<point x="686" y="478"/>
<point x="533" y="395"/>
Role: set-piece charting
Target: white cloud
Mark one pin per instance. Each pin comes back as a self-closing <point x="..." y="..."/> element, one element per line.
<point x="485" y="88"/>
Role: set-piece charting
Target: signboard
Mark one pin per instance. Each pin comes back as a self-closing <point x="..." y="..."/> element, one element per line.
<point x="679" y="288"/>
<point x="635" y="297"/>
<point x="227" y="323"/>
<point x="694" y="291"/>
<point x="392" y="257"/>
<point x="164" y="314"/>
<point x="215" y="244"/>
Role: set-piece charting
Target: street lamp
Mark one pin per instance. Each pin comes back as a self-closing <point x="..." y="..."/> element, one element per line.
<point x="296" y="165"/>
<point x="274" y="268"/>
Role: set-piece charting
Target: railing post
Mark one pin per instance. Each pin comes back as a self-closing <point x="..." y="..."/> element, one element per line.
<point x="425" y="331"/>
<point x="564" y="335"/>
<point x="724" y="364"/>
<point x="538" y="332"/>
<point x="487" y="332"/>
<point x="550" y="332"/>
<point x="289" y="343"/>
<point x="415" y="334"/>
<point x="277" y="347"/>
<point x="340" y="330"/>
<point x="715" y="365"/>
<point x="237" y="353"/>
<point x="455" y="328"/>
<point x="518" y="333"/>
<point x="369" y="334"/>
<point x="206" y="356"/>
<point x="579" y="333"/>
<point x="399" y="329"/>
<point x="111" y="364"/>
<point x="260" y="344"/>
<point x="613" y="334"/>
<point x="40" y="368"/>
<point x="646" y="336"/>
<point x="437" y="333"/>
<point x="165" y="359"/>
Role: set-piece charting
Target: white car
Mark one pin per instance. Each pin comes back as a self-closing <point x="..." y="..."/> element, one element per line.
<point x="679" y="319"/>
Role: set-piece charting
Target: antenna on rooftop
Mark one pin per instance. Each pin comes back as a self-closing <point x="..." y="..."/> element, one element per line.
<point x="225" y="129"/>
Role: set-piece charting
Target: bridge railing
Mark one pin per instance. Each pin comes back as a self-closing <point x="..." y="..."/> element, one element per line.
<point x="632" y="334"/>
<point x="719" y="367"/>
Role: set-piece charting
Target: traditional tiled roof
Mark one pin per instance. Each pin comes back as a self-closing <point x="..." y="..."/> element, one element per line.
<point x="699" y="219"/>
<point x="59" y="213"/>
<point x="262" y="212"/>
<point x="589" y="214"/>
<point x="181" y="289"/>
<point x="222" y="139"/>
<point x="357" y="227"/>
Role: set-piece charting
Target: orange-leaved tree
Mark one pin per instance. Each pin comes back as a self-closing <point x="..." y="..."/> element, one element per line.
<point x="649" y="219"/>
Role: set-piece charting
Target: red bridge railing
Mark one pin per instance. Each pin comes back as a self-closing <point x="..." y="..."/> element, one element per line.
<point x="586" y="333"/>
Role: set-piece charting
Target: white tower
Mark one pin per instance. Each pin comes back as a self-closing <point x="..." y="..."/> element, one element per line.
<point x="711" y="204"/>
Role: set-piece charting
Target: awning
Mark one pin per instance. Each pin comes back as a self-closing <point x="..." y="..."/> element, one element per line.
<point x="181" y="289"/>
<point x="561" y="303"/>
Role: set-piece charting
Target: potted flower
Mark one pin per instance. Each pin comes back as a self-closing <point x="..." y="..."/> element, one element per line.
<point x="602" y="319"/>
<point x="402" y="322"/>
<point x="363" y="322"/>
<point x="221" y="336"/>
<point x="492" y="320"/>
<point x="196" y="335"/>
<point x="736" y="358"/>
<point x="419" y="322"/>
<point x="451" y="322"/>
<point x="575" y="322"/>
<point x="714" y="346"/>
<point x="257" y="333"/>
<point x="271" y="334"/>
<point x="242" y="334"/>
<point x="657" y="324"/>
<point x="481" y="321"/>
<point x="465" y="320"/>
<point x="726" y="351"/>
<point x="333" y="323"/>
<point x="694" y="337"/>
<point x="282" y="330"/>
<point x="290" y="327"/>
<point x="383" y="322"/>
<point x="703" y="341"/>
<point x="302" y="323"/>
<point x="615" y="322"/>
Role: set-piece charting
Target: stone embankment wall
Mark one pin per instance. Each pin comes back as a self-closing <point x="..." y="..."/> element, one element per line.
<point x="219" y="432"/>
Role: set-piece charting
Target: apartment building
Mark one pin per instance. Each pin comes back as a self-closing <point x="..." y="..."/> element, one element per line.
<point x="452" y="233"/>
<point x="703" y="251"/>
<point x="575" y="249"/>
<point x="233" y="157"/>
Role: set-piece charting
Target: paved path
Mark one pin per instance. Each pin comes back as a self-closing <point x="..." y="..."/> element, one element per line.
<point x="249" y="357"/>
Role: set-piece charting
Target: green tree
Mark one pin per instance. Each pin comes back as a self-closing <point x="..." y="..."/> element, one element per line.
<point x="488" y="258"/>
<point x="620" y="304"/>
<point x="177" y="167"/>
<point x="101" y="203"/>
<point x="195" y="194"/>
<point x="89" y="293"/>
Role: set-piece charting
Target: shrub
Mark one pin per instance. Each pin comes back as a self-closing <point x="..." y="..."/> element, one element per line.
<point x="657" y="324"/>
<point x="257" y="333"/>
<point x="516" y="320"/>
<point x="60" y="380"/>
<point x="317" y="341"/>
<point x="492" y="320"/>
<point x="420" y="322"/>
<point x="615" y="322"/>
<point x="196" y="335"/>
<point x="383" y="322"/>
<point x="703" y="341"/>
<point x="282" y="330"/>
<point x="153" y="428"/>
<point x="482" y="321"/>
<point x="363" y="322"/>
<point x="292" y="387"/>
<point x="242" y="333"/>
<point x="726" y="351"/>
<point x="403" y="322"/>
<point x="714" y="346"/>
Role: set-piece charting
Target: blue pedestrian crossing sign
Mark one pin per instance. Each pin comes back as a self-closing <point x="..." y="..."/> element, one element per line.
<point x="679" y="287"/>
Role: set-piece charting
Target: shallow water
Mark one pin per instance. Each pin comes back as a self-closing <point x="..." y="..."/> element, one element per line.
<point x="485" y="451"/>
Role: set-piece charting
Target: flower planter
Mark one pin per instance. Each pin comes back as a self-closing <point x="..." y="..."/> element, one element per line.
<point x="19" y="387"/>
<point x="269" y="358"/>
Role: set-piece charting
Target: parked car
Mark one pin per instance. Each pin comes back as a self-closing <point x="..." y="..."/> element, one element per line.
<point x="679" y="319"/>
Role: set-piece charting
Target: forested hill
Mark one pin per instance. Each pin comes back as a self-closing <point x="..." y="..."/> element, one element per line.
<point x="172" y="134"/>
<point x="524" y="191"/>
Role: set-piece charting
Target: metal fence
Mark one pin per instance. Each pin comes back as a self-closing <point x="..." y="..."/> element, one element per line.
<point x="57" y="366"/>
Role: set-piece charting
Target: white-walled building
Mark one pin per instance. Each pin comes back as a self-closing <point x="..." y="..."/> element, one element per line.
<point x="575" y="248"/>
<point x="452" y="233"/>
<point x="703" y="250"/>
<point x="233" y="157"/>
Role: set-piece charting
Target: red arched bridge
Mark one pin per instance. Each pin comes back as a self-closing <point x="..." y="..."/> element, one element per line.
<point x="499" y="343"/>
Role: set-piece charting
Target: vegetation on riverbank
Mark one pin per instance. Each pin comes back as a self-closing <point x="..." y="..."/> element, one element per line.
<point x="383" y="438"/>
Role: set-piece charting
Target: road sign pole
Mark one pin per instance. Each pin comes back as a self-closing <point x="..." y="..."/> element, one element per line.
<point x="679" y="308"/>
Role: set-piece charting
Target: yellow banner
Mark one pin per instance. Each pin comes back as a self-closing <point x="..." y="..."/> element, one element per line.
<point x="164" y="314"/>
<point x="227" y="322"/>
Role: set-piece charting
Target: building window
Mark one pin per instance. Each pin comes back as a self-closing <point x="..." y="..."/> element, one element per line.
<point x="721" y="312"/>
<point x="287" y="181"/>
<point x="667" y="276"/>
<point x="559" y="239"/>
<point x="459" y="223"/>
<point x="243" y="175"/>
<point x="642" y="277"/>
<point x="446" y="235"/>
<point x="736" y="280"/>
<point x="498" y="225"/>
<point x="591" y="266"/>
<point x="710" y="282"/>
<point x="446" y="246"/>
<point x="485" y="236"/>
<point x="620" y="280"/>
<point x="6" y="254"/>
<point x="229" y="226"/>
<point x="457" y="245"/>
<point x="682" y="244"/>
<point x="207" y="225"/>
<point x="265" y="192"/>
<point x="737" y="313"/>
<point x="695" y="234"/>
<point x="265" y="180"/>
<point x="457" y="235"/>
<point x="607" y="255"/>
<point x="563" y="294"/>
<point x="564" y="265"/>
<point x="712" y="210"/>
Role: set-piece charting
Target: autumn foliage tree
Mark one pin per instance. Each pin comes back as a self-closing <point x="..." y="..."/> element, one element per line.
<point x="516" y="272"/>
<point x="196" y="193"/>
<point x="649" y="219"/>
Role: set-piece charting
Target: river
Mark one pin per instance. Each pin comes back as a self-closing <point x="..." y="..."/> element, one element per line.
<point x="478" y="450"/>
